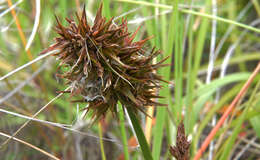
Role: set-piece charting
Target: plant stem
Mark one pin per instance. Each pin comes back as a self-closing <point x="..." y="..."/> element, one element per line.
<point x="101" y="141"/>
<point x="123" y="133"/>
<point x="140" y="135"/>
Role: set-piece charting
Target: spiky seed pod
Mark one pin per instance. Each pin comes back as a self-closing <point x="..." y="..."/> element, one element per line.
<point x="105" y="65"/>
<point x="181" y="150"/>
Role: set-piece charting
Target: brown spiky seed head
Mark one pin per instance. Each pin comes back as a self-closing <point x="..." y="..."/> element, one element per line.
<point x="105" y="66"/>
<point x="181" y="150"/>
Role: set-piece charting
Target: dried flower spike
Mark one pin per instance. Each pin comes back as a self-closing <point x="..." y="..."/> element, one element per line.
<point x="181" y="150"/>
<point x="105" y="66"/>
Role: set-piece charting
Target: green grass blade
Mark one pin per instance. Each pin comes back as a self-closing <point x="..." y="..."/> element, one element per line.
<point x="217" y="83"/>
<point x="177" y="62"/>
<point x="189" y="90"/>
<point x="63" y="11"/>
<point x="123" y="132"/>
<point x="165" y="91"/>
<point x="220" y="19"/>
<point x="158" y="132"/>
<point x="161" y="112"/>
<point x="257" y="6"/>
<point x="107" y="8"/>
<point x="255" y="121"/>
<point x="197" y="58"/>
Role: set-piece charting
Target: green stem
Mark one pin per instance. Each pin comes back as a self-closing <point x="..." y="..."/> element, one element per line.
<point x="140" y="135"/>
<point x="123" y="132"/>
<point x="101" y="141"/>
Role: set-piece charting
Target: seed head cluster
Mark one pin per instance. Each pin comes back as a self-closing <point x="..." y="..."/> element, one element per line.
<point x="181" y="150"/>
<point x="104" y="65"/>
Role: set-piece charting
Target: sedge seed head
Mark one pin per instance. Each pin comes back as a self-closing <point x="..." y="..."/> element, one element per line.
<point x="105" y="64"/>
<point x="181" y="150"/>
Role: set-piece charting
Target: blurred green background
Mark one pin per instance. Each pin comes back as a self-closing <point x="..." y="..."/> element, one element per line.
<point x="214" y="46"/>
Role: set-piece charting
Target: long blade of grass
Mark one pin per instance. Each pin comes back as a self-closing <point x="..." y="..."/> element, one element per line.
<point x="190" y="82"/>
<point x="152" y="29"/>
<point x="250" y="56"/>
<point x="231" y="27"/>
<point x="195" y="13"/>
<point x="215" y="84"/>
<point x="178" y="60"/>
<point x="194" y="71"/>
<point x="165" y="91"/>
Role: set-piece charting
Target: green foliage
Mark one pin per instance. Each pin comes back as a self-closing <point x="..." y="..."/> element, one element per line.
<point x="188" y="96"/>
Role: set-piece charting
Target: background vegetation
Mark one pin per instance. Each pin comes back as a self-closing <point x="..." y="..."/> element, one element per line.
<point x="214" y="47"/>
